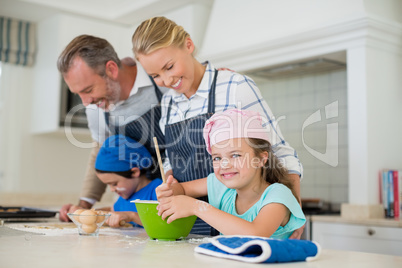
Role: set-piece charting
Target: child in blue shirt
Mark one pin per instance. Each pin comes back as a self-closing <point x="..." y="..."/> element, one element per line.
<point x="249" y="192"/>
<point x="124" y="165"/>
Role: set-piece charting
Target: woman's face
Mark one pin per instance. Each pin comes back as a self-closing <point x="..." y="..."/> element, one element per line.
<point x="236" y="165"/>
<point x="172" y="67"/>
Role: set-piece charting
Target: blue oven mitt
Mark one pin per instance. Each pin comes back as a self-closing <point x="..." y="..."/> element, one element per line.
<point x="255" y="249"/>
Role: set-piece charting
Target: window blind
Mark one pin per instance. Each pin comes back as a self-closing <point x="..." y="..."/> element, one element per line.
<point x="17" y="41"/>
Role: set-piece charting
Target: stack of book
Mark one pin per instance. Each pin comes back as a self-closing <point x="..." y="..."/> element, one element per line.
<point x="391" y="192"/>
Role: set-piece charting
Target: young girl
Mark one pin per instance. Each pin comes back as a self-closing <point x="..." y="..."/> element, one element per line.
<point x="249" y="192"/>
<point x="197" y="91"/>
<point x="124" y="165"/>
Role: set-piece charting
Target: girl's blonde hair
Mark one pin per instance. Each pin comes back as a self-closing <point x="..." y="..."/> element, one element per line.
<point x="156" y="33"/>
<point x="273" y="170"/>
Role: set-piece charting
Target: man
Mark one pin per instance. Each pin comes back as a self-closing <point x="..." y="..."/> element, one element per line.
<point x="119" y="98"/>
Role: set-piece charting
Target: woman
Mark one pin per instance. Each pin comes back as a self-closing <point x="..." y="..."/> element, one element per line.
<point x="197" y="91"/>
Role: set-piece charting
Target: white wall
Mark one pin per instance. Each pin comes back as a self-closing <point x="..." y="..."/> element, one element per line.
<point x="374" y="100"/>
<point x="15" y="97"/>
<point x="294" y="99"/>
<point x="236" y="24"/>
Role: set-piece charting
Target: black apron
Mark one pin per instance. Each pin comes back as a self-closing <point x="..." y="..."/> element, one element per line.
<point x="143" y="129"/>
<point x="187" y="152"/>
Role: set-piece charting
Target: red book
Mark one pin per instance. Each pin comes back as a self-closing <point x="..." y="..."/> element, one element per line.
<point x="396" y="194"/>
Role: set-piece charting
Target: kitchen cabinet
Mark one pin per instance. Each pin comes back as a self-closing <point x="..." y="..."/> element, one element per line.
<point x="384" y="236"/>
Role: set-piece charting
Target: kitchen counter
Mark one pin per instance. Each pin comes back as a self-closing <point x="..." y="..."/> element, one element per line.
<point x="369" y="222"/>
<point x="59" y="245"/>
<point x="382" y="236"/>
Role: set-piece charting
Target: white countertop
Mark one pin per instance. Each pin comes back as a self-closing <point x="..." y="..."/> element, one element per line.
<point x="369" y="222"/>
<point x="61" y="246"/>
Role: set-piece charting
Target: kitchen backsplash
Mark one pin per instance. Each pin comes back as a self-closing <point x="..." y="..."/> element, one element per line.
<point x="295" y="101"/>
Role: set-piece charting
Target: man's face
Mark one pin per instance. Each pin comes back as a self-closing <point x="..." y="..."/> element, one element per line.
<point x="91" y="87"/>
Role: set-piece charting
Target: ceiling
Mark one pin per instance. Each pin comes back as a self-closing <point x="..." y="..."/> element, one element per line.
<point x="126" y="12"/>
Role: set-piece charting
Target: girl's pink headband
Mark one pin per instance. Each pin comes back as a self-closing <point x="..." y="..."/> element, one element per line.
<point x="232" y="124"/>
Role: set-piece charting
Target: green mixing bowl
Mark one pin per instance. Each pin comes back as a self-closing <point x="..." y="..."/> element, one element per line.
<point x="159" y="229"/>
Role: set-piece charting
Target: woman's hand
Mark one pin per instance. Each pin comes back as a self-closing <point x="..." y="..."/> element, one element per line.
<point x="165" y="189"/>
<point x="176" y="207"/>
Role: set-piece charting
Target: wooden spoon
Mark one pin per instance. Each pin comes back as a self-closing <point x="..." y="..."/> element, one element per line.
<point x="159" y="160"/>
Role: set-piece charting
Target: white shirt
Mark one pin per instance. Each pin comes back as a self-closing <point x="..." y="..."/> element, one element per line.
<point x="233" y="90"/>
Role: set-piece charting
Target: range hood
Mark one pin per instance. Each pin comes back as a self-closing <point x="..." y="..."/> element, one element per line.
<point x="298" y="68"/>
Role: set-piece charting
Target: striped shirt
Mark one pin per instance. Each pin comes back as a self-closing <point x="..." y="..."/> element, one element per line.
<point x="233" y="90"/>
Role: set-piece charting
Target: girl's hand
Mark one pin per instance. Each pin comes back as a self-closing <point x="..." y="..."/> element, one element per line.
<point x="176" y="207"/>
<point x="297" y="233"/>
<point x="165" y="189"/>
<point x="117" y="217"/>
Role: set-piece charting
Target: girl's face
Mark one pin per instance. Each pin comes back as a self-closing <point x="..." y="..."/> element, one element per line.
<point x="236" y="165"/>
<point x="172" y="67"/>
<point x="121" y="185"/>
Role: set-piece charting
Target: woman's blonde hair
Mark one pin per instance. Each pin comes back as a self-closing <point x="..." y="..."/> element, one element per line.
<point x="156" y="33"/>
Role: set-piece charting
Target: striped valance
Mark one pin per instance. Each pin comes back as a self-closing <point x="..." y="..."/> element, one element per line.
<point x="17" y="41"/>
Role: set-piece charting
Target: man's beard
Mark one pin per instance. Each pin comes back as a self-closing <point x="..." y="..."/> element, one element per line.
<point x="113" y="92"/>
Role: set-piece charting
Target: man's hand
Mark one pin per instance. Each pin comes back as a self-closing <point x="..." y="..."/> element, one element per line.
<point x="63" y="212"/>
<point x="70" y="208"/>
<point x="85" y="204"/>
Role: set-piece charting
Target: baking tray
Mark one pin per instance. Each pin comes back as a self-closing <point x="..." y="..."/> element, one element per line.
<point x="25" y="212"/>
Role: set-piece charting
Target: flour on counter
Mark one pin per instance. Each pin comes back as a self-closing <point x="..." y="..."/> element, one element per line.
<point x="46" y="230"/>
<point x="61" y="229"/>
<point x="200" y="240"/>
